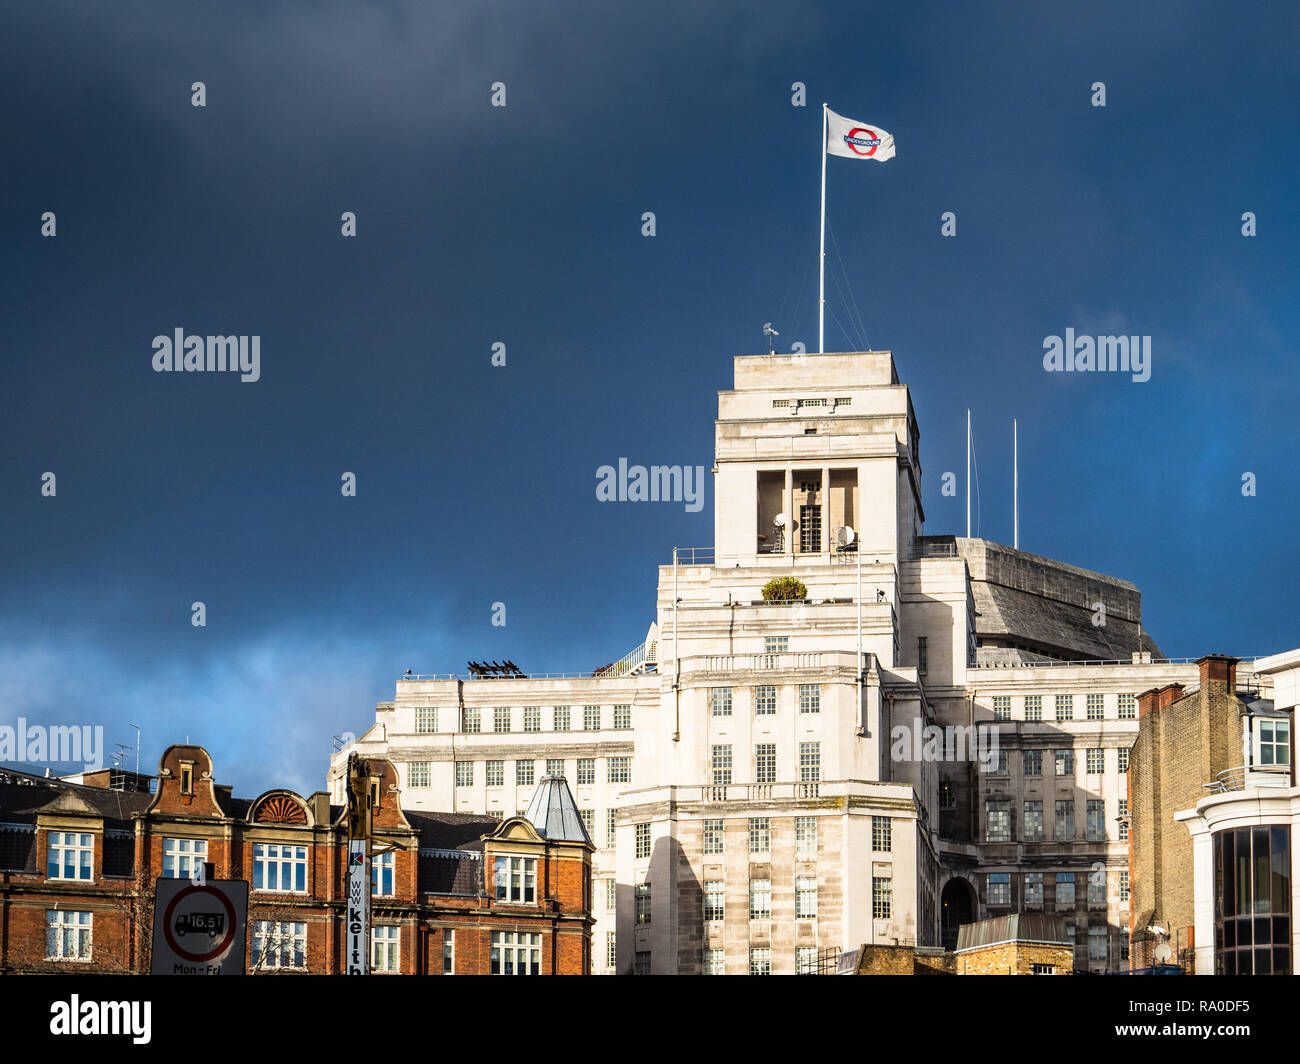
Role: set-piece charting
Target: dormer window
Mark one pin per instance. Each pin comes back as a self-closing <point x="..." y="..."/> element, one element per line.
<point x="1272" y="742"/>
<point x="187" y="777"/>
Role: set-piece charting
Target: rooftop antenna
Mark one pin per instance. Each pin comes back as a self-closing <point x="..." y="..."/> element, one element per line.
<point x="1015" y="484"/>
<point x="769" y="332"/>
<point x="137" y="746"/>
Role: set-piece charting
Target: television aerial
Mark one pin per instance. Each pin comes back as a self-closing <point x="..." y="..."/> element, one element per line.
<point x="769" y="332"/>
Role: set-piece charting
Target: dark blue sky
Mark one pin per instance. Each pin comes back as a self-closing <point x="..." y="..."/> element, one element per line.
<point x="523" y="224"/>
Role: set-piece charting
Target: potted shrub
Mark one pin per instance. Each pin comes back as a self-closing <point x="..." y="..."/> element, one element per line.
<point x="784" y="589"/>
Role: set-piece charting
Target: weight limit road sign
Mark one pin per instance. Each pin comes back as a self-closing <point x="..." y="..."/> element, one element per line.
<point x="199" y="928"/>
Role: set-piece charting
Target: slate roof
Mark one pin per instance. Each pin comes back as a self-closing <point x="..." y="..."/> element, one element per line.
<point x="553" y="812"/>
<point x="1016" y="927"/>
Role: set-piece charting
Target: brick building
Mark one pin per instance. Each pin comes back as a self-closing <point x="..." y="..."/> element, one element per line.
<point x="456" y="894"/>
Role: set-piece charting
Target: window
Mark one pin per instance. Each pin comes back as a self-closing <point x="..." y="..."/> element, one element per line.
<point x="1065" y="762"/>
<point x="999" y="888"/>
<point x="1096" y="820"/>
<point x="68" y="935"/>
<point x="1001" y="707"/>
<point x="882" y="834"/>
<point x="611" y="950"/>
<point x="1042" y="969"/>
<point x="882" y="897"/>
<point x="501" y="719"/>
<point x="711" y="836"/>
<point x="1033" y="707"/>
<point x="998" y="820"/>
<point x="947" y="795"/>
<point x="721" y="765"/>
<point x="642" y="898"/>
<point x="426" y="720"/>
<point x="180" y="856"/>
<point x="714" y="903"/>
<point x="760" y="960"/>
<point x="641" y="962"/>
<point x="1064" y="889"/>
<point x="1127" y="707"/>
<point x="471" y="720"/>
<point x="1096" y="709"/>
<point x="71" y="855"/>
<point x="418" y="774"/>
<point x="532" y="718"/>
<point x="279" y="867"/>
<point x="714" y="962"/>
<point x="1034" y="888"/>
<point x="385" y="949"/>
<point x="555" y="766"/>
<point x="1033" y="762"/>
<point x="776" y="644"/>
<point x="805" y="897"/>
<point x="586" y="771"/>
<point x="1097" y="943"/>
<point x="1274" y="742"/>
<point x="187" y="777"/>
<point x="810" y="762"/>
<point x="279" y="944"/>
<point x="765" y="763"/>
<point x="525" y="773"/>
<point x="611" y="895"/>
<point x="1097" y="887"/>
<point x="805" y="960"/>
<point x="805" y="834"/>
<point x="611" y="828"/>
<point x="622" y="718"/>
<point x="381" y="875"/>
<point x="760" y="899"/>
<point x="1123" y="885"/>
<point x="591" y="718"/>
<point x="588" y="818"/>
<point x="764" y="700"/>
<point x="1123" y="947"/>
<point x="1064" y="820"/>
<point x="1034" y="821"/>
<point x="1065" y="707"/>
<point x="642" y="841"/>
<point x="999" y="767"/>
<point x="620" y="770"/>
<point x="1252" y="894"/>
<point x="720" y="701"/>
<point x="464" y="773"/>
<point x="495" y="771"/>
<point x="516" y="953"/>
<point x="448" y="952"/>
<point x="560" y="721"/>
<point x="922" y="655"/>
<point x="515" y="879"/>
<point x="760" y="834"/>
<point x="1123" y="820"/>
<point x="810" y="698"/>
<point x="1095" y="761"/>
<point x="1123" y="760"/>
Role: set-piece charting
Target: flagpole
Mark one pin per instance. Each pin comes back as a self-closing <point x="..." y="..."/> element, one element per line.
<point x="1015" y="484"/>
<point x="821" y="283"/>
<point x="968" y="473"/>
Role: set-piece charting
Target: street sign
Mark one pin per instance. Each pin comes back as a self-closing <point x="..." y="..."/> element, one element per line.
<point x="357" y="956"/>
<point x="199" y="928"/>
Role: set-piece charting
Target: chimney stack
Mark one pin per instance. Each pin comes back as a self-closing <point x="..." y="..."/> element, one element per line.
<point x="1219" y="668"/>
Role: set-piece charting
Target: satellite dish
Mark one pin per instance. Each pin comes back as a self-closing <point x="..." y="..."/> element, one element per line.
<point x="1163" y="953"/>
<point x="843" y="537"/>
<point x="780" y="520"/>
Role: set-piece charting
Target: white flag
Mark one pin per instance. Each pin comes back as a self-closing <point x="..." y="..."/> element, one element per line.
<point x="856" y="140"/>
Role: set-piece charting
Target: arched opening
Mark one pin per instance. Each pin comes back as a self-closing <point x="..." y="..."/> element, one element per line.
<point x="958" y="907"/>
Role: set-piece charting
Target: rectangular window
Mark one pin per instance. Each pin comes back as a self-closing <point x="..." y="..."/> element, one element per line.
<point x="641" y="962"/>
<point x="591" y="718"/>
<point x="765" y="763"/>
<point x="922" y="655"/>
<point x="776" y="644"/>
<point x="760" y="958"/>
<point x="588" y="818"/>
<point x="1001" y="707"/>
<point x="810" y="698"/>
<point x="760" y="899"/>
<point x="555" y="766"/>
<point x="999" y="888"/>
<point x="947" y="795"/>
<point x="448" y="952"/>
<point x="471" y="720"/>
<point x="1065" y="707"/>
<point x="1096" y="708"/>
<point x="515" y="879"/>
<point x="495" y="771"/>
<point x="418" y="774"/>
<point x="611" y="895"/>
<point x="516" y="953"/>
<point x="760" y="834"/>
<point x="71" y="855"/>
<point x="1064" y="889"/>
<point x="1034" y="821"/>
<point x="1042" y="969"/>
<point x="561" y="719"/>
<point x="805" y="897"/>
<point x="1127" y="707"/>
<point x="279" y="867"/>
<point x="721" y="765"/>
<point x="805" y="834"/>
<point x="1033" y="762"/>
<point x="720" y="701"/>
<point x="642" y="903"/>
<point x="1096" y="820"/>
<point x="1123" y="820"/>
<point x="998" y="820"/>
<point x="68" y="935"/>
<point x="1096" y="943"/>
<point x="1033" y="708"/>
<point x="714" y="962"/>
<point x="642" y="841"/>
<point x="714" y="900"/>
<point x="279" y="944"/>
<point x="1033" y="888"/>
<point x="525" y="773"/>
<point x="611" y="828"/>
<point x="810" y="762"/>
<point x="1274" y="742"/>
<point x="1064" y="820"/>
<point x="622" y="718"/>
<point x="464" y="773"/>
<point x="501" y="719"/>
<point x="1123" y="760"/>
<point x="882" y="834"/>
<point x="381" y="875"/>
<point x="1000" y="765"/>
<point x="1065" y="762"/>
<point x="620" y="770"/>
<point x="180" y="856"/>
<point x="1123" y="885"/>
<point x="385" y="949"/>
<point x="764" y="700"/>
<point x="532" y="718"/>
<point x="1097" y="887"/>
<point x="711" y="836"/>
<point x="1095" y="761"/>
<point x="882" y="897"/>
<point x="805" y="960"/>
<point x="426" y="720"/>
<point x="586" y="771"/>
<point x="611" y="950"/>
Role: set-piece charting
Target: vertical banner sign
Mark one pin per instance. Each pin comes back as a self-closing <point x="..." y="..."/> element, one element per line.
<point x="358" y="921"/>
